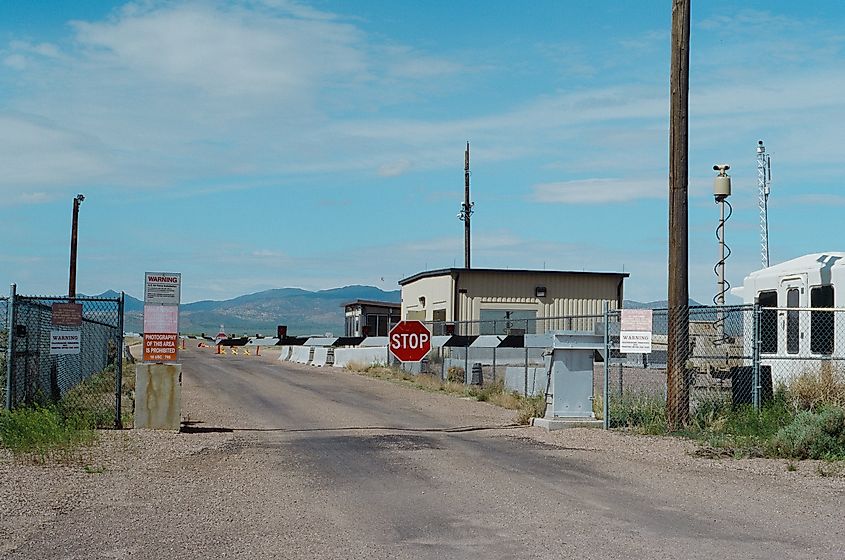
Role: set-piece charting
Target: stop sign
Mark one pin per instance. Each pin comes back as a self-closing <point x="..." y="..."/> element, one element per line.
<point x="410" y="341"/>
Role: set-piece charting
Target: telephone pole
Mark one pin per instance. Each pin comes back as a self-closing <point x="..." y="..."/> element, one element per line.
<point x="71" y="291"/>
<point x="466" y="210"/>
<point x="677" y="397"/>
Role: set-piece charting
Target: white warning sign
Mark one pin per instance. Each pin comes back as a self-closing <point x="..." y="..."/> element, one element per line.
<point x="65" y="342"/>
<point x="635" y="333"/>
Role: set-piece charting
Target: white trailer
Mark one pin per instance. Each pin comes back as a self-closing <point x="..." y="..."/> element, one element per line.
<point x="802" y="325"/>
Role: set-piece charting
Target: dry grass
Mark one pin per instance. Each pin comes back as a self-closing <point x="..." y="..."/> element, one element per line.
<point x="493" y="393"/>
<point x="813" y="390"/>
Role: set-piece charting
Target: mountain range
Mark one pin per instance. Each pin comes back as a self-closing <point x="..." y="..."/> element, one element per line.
<point x="302" y="311"/>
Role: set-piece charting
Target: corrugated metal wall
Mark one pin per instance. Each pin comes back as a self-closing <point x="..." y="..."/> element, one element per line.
<point x="567" y="295"/>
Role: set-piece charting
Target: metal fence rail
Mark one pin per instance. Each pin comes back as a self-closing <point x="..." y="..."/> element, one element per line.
<point x="87" y="379"/>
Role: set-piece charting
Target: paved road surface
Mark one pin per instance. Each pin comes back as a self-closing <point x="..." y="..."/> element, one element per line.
<point x="326" y="464"/>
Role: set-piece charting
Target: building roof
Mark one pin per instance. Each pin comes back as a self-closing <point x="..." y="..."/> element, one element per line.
<point x="451" y="271"/>
<point x="813" y="261"/>
<point x="822" y="263"/>
<point x="373" y="303"/>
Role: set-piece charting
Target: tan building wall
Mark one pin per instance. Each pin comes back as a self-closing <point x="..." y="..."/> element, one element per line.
<point x="567" y="295"/>
<point x="437" y="293"/>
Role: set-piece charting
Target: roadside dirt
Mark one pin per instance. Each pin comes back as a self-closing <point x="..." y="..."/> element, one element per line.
<point x="292" y="461"/>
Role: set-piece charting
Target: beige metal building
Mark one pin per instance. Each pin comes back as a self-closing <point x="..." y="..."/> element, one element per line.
<point x="506" y="301"/>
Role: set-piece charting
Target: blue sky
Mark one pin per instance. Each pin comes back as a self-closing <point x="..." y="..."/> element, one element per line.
<point x="263" y="144"/>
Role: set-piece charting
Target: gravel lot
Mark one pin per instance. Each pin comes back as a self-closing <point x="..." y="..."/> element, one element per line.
<point x="288" y="461"/>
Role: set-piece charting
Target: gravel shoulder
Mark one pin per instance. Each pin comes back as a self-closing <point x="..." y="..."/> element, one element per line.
<point x="266" y="438"/>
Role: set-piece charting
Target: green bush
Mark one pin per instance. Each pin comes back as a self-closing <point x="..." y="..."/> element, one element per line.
<point x="641" y="412"/>
<point x="812" y="435"/>
<point x="41" y="429"/>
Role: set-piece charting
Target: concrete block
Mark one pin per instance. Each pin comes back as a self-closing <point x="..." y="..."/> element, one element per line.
<point x="321" y="356"/>
<point x="361" y="356"/>
<point x="553" y="424"/>
<point x="158" y="396"/>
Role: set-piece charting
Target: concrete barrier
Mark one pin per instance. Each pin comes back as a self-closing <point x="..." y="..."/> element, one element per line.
<point x="320" y="356"/>
<point x="365" y="356"/>
<point x="284" y="353"/>
<point x="301" y="354"/>
<point x="537" y="380"/>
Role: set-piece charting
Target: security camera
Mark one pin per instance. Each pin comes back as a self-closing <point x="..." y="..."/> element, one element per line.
<point x="721" y="168"/>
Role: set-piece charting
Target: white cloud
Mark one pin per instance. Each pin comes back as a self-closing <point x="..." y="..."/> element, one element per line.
<point x="36" y="152"/>
<point x="225" y="51"/>
<point x="599" y="191"/>
<point x="394" y="169"/>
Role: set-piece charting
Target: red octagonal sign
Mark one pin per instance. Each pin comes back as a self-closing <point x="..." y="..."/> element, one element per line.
<point x="410" y="341"/>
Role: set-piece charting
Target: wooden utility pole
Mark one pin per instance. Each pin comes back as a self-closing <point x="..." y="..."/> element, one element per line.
<point x="677" y="397"/>
<point x="71" y="290"/>
<point x="467" y="211"/>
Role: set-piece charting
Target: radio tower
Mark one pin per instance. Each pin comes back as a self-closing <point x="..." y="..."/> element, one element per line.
<point x="764" y="178"/>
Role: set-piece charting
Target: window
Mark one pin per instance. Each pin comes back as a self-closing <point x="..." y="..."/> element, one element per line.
<point x="438" y="326"/>
<point x="768" y="322"/>
<point x="506" y="321"/>
<point x="792" y="328"/>
<point x="821" y="322"/>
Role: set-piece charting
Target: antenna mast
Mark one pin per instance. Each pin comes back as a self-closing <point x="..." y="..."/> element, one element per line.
<point x="764" y="179"/>
<point x="466" y="210"/>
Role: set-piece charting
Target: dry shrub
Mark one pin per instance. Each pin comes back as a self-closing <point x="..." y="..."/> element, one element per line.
<point x="532" y="407"/>
<point x="506" y="400"/>
<point x="812" y="390"/>
<point x="427" y="381"/>
<point x="456" y="374"/>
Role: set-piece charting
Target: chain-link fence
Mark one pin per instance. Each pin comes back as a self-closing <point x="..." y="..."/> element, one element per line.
<point x="715" y="361"/>
<point x="66" y="351"/>
<point x="4" y="347"/>
<point x="514" y="353"/>
<point x="728" y="356"/>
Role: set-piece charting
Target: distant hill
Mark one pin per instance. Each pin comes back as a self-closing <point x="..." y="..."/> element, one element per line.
<point x="303" y="311"/>
<point x="660" y="304"/>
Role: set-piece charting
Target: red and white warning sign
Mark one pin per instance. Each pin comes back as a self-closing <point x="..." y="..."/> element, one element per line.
<point x="162" y="294"/>
<point x="160" y="347"/>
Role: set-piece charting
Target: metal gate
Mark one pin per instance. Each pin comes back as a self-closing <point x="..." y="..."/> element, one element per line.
<point x="75" y="364"/>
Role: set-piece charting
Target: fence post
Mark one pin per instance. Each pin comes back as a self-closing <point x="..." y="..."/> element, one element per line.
<point x="118" y="371"/>
<point x="755" y="360"/>
<point x="606" y="393"/>
<point x="466" y="363"/>
<point x="525" y="390"/>
<point x="10" y="348"/>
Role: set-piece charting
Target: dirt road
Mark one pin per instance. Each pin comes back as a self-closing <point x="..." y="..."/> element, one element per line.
<point x="295" y="462"/>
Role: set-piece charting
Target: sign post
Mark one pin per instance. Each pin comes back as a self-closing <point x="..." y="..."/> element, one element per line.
<point x="162" y="293"/>
<point x="409" y="341"/>
<point x="158" y="383"/>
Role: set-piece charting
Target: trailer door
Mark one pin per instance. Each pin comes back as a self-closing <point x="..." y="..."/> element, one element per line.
<point x="794" y="290"/>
